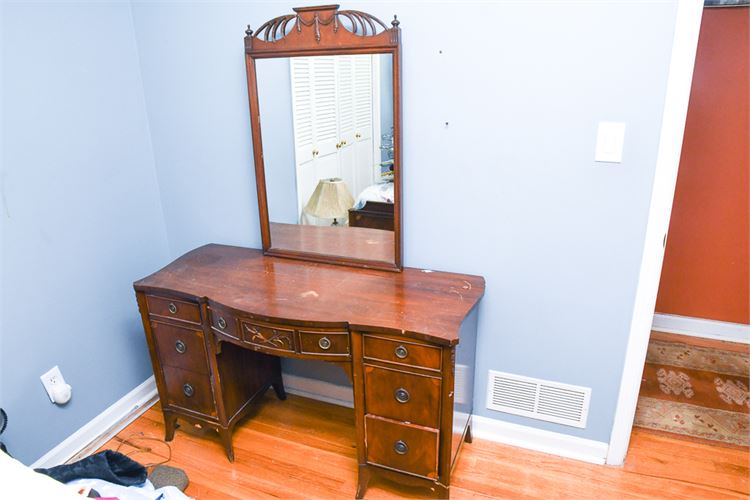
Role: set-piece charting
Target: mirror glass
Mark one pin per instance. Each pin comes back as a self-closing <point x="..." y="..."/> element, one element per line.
<point x="328" y="149"/>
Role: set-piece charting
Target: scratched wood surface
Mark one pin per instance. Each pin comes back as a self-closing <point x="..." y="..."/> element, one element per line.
<point x="428" y="305"/>
<point x="302" y="448"/>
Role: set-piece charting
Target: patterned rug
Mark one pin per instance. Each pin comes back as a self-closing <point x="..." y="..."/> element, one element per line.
<point x="696" y="391"/>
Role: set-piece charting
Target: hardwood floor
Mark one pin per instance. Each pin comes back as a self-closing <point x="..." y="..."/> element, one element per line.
<point x="302" y="448"/>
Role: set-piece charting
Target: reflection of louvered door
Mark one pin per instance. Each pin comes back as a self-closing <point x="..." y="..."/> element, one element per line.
<point x="363" y="121"/>
<point x="332" y="104"/>
<point x="346" y="112"/>
<point x="315" y="122"/>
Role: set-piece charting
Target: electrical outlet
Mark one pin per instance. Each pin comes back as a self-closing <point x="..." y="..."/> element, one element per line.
<point x="51" y="380"/>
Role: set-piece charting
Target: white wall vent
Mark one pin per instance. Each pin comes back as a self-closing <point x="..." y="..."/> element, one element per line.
<point x="539" y="399"/>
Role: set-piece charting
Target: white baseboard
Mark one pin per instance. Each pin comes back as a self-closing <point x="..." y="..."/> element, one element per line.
<point x="105" y="425"/>
<point x="319" y="390"/>
<point x="482" y="427"/>
<point x="554" y="443"/>
<point x="704" y="328"/>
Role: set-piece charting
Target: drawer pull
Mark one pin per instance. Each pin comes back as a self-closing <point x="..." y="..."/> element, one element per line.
<point x="400" y="447"/>
<point x="180" y="347"/>
<point x="188" y="390"/>
<point x="324" y="343"/>
<point x="401" y="352"/>
<point x="222" y="323"/>
<point x="172" y="308"/>
<point x="401" y="395"/>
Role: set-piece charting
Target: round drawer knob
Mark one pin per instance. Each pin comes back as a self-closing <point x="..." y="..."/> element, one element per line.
<point x="180" y="347"/>
<point x="222" y="323"/>
<point x="172" y="308"/>
<point x="188" y="390"/>
<point x="401" y="395"/>
<point x="401" y="352"/>
<point x="324" y="343"/>
<point x="400" y="447"/>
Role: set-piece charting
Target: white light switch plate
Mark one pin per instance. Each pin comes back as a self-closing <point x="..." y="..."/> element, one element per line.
<point x="610" y="139"/>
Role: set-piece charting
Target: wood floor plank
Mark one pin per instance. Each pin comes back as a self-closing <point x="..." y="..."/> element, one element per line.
<point x="301" y="448"/>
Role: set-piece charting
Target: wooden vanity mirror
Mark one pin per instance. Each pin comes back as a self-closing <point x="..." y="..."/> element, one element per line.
<point x="325" y="110"/>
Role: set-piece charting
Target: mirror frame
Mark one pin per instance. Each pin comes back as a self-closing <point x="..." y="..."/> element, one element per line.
<point x="315" y="31"/>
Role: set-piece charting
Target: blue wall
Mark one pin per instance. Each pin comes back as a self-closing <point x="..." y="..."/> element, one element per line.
<point x="81" y="218"/>
<point x="508" y="189"/>
<point x="130" y="145"/>
<point x="274" y="81"/>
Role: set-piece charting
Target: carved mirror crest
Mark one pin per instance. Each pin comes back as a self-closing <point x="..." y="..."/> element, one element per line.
<point x="325" y="108"/>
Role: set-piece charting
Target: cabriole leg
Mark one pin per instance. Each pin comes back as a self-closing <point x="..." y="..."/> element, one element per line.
<point x="170" y="424"/>
<point x="226" y="439"/>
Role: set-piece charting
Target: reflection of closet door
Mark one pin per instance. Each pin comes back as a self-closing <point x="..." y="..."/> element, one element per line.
<point x="347" y="161"/>
<point x="332" y="103"/>
<point x="356" y="124"/>
<point x="314" y="104"/>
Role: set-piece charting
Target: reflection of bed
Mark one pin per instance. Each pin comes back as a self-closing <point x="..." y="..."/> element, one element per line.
<point x="374" y="207"/>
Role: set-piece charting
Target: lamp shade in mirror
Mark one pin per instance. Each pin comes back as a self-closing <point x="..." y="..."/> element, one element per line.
<point x="330" y="200"/>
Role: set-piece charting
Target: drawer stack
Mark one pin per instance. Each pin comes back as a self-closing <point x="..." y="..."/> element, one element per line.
<point x="181" y="355"/>
<point x="402" y="387"/>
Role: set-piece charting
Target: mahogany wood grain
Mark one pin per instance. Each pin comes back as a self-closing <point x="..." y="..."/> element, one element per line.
<point x="189" y="390"/>
<point x="304" y="449"/>
<point x="419" y="455"/>
<point x="271" y="338"/>
<point x="413" y="303"/>
<point x="417" y="402"/>
<point x="180" y="347"/>
<point x="173" y="309"/>
<point x="399" y="351"/>
<point x="315" y="342"/>
<point x="224" y="322"/>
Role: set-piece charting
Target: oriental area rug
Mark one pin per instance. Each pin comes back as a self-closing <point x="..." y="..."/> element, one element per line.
<point x="701" y="392"/>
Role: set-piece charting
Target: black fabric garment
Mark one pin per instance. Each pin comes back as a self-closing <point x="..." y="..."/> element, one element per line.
<point x="108" y="465"/>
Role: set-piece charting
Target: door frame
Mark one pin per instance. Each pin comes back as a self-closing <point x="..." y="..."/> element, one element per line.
<point x="679" y="82"/>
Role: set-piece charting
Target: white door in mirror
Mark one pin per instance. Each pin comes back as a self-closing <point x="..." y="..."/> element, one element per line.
<point x="58" y="391"/>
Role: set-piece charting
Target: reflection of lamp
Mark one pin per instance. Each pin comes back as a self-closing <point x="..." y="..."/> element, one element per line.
<point x="330" y="200"/>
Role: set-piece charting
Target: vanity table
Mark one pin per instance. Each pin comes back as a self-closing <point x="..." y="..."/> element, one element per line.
<point x="219" y="318"/>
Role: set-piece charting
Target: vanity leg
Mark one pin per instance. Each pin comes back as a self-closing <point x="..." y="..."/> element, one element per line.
<point x="468" y="437"/>
<point x="170" y="424"/>
<point x="363" y="479"/>
<point x="278" y="382"/>
<point x="442" y="491"/>
<point x="278" y="388"/>
<point x="226" y="439"/>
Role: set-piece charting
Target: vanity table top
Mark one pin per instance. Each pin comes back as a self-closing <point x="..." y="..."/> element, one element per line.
<point x="418" y="303"/>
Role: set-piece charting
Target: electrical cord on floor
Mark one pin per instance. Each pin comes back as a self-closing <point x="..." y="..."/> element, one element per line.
<point x="132" y="441"/>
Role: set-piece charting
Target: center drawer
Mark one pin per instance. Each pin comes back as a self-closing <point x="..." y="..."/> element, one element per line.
<point x="402" y="396"/>
<point x="324" y="343"/>
<point x="268" y="337"/>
